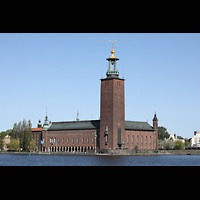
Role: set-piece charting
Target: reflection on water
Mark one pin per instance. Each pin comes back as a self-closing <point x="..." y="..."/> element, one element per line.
<point x="75" y="160"/>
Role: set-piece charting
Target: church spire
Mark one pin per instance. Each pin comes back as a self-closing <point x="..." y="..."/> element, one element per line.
<point x="46" y="121"/>
<point x="112" y="61"/>
<point x="155" y="122"/>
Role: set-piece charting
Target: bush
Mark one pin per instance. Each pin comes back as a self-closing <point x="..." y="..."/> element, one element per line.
<point x="136" y="148"/>
<point x="179" y="145"/>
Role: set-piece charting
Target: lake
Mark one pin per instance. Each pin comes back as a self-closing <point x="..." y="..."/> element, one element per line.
<point x="77" y="160"/>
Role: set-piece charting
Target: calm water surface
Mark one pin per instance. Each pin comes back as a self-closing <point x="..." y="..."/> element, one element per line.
<point x="75" y="160"/>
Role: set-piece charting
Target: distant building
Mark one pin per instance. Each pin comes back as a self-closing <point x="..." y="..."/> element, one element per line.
<point x="37" y="136"/>
<point x="6" y="142"/>
<point x="195" y="142"/>
<point x="175" y="137"/>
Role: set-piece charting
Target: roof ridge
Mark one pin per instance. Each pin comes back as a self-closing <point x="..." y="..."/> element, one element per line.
<point x="76" y="121"/>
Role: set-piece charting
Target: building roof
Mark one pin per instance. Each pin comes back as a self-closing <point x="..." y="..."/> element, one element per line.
<point x="36" y="129"/>
<point x="75" y="125"/>
<point x="133" y="125"/>
<point x="95" y="124"/>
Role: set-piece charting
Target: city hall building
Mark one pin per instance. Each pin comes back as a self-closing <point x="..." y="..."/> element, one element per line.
<point x="110" y="132"/>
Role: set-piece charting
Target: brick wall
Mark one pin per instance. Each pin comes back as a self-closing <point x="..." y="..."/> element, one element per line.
<point x="70" y="138"/>
<point x="145" y="140"/>
<point x="111" y="111"/>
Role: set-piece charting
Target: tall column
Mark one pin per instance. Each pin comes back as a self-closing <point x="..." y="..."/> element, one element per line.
<point x="109" y="65"/>
<point x="115" y="66"/>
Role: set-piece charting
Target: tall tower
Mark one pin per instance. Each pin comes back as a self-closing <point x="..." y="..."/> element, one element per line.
<point x="155" y="126"/>
<point x="112" y="112"/>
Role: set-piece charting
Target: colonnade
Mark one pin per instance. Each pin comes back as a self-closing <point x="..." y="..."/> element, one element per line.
<point x="68" y="149"/>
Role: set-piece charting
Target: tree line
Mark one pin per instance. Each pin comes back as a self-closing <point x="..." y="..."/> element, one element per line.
<point x="21" y="136"/>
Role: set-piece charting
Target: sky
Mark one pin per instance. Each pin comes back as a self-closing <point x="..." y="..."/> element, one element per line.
<point x="62" y="71"/>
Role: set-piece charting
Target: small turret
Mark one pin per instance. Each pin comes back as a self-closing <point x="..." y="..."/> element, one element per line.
<point x="46" y="124"/>
<point x="46" y="121"/>
<point x="155" y="122"/>
<point x="39" y="124"/>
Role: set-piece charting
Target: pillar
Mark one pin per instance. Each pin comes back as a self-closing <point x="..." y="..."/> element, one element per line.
<point x="109" y="65"/>
<point x="115" y="66"/>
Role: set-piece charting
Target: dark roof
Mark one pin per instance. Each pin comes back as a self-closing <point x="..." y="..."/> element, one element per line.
<point x="133" y="125"/>
<point x="75" y="125"/>
<point x="95" y="124"/>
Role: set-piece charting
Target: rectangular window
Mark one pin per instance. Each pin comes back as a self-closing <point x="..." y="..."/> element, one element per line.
<point x="67" y="140"/>
<point x="88" y="140"/>
<point x="150" y="141"/>
<point x="63" y="141"/>
<point x="77" y="140"/>
<point x="72" y="140"/>
<point x="82" y="140"/>
<point x="119" y="136"/>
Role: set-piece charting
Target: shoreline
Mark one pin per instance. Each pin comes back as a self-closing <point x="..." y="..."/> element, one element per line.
<point x="122" y="153"/>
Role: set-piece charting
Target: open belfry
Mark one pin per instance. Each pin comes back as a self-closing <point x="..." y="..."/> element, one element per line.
<point x="111" y="132"/>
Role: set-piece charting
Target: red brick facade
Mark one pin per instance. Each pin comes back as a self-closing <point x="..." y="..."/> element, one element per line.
<point x="112" y="112"/>
<point x="69" y="140"/>
<point x="144" y="140"/>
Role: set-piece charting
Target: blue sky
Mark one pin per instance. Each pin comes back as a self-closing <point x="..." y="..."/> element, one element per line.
<point x="62" y="72"/>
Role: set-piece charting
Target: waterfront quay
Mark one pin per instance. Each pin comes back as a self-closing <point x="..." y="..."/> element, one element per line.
<point x="114" y="152"/>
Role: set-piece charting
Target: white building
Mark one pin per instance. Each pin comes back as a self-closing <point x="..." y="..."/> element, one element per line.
<point x="175" y="137"/>
<point x="195" y="142"/>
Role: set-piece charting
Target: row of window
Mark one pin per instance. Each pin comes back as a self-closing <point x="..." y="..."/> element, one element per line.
<point x="54" y="140"/>
<point x="143" y="139"/>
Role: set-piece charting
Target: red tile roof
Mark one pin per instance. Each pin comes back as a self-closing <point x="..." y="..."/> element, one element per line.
<point x="36" y="129"/>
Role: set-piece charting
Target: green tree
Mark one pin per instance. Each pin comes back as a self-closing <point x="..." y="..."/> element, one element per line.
<point x="1" y="144"/>
<point x="22" y="132"/>
<point x="162" y="130"/>
<point x="14" y="132"/>
<point x="14" y="144"/>
<point x="2" y="136"/>
<point x="32" y="145"/>
<point x="187" y="143"/>
<point x="136" y="148"/>
<point x="179" y="145"/>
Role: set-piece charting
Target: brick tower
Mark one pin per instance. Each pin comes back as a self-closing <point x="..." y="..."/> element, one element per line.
<point x="112" y="113"/>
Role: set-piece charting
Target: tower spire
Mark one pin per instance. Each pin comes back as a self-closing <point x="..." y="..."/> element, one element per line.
<point x="112" y="51"/>
<point x="77" y="118"/>
<point x="46" y="121"/>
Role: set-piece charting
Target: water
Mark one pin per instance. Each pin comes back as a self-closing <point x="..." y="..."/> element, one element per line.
<point x="77" y="160"/>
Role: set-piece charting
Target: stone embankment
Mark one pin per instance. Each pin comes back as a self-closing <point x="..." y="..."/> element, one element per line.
<point x="118" y="152"/>
<point x="184" y="152"/>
